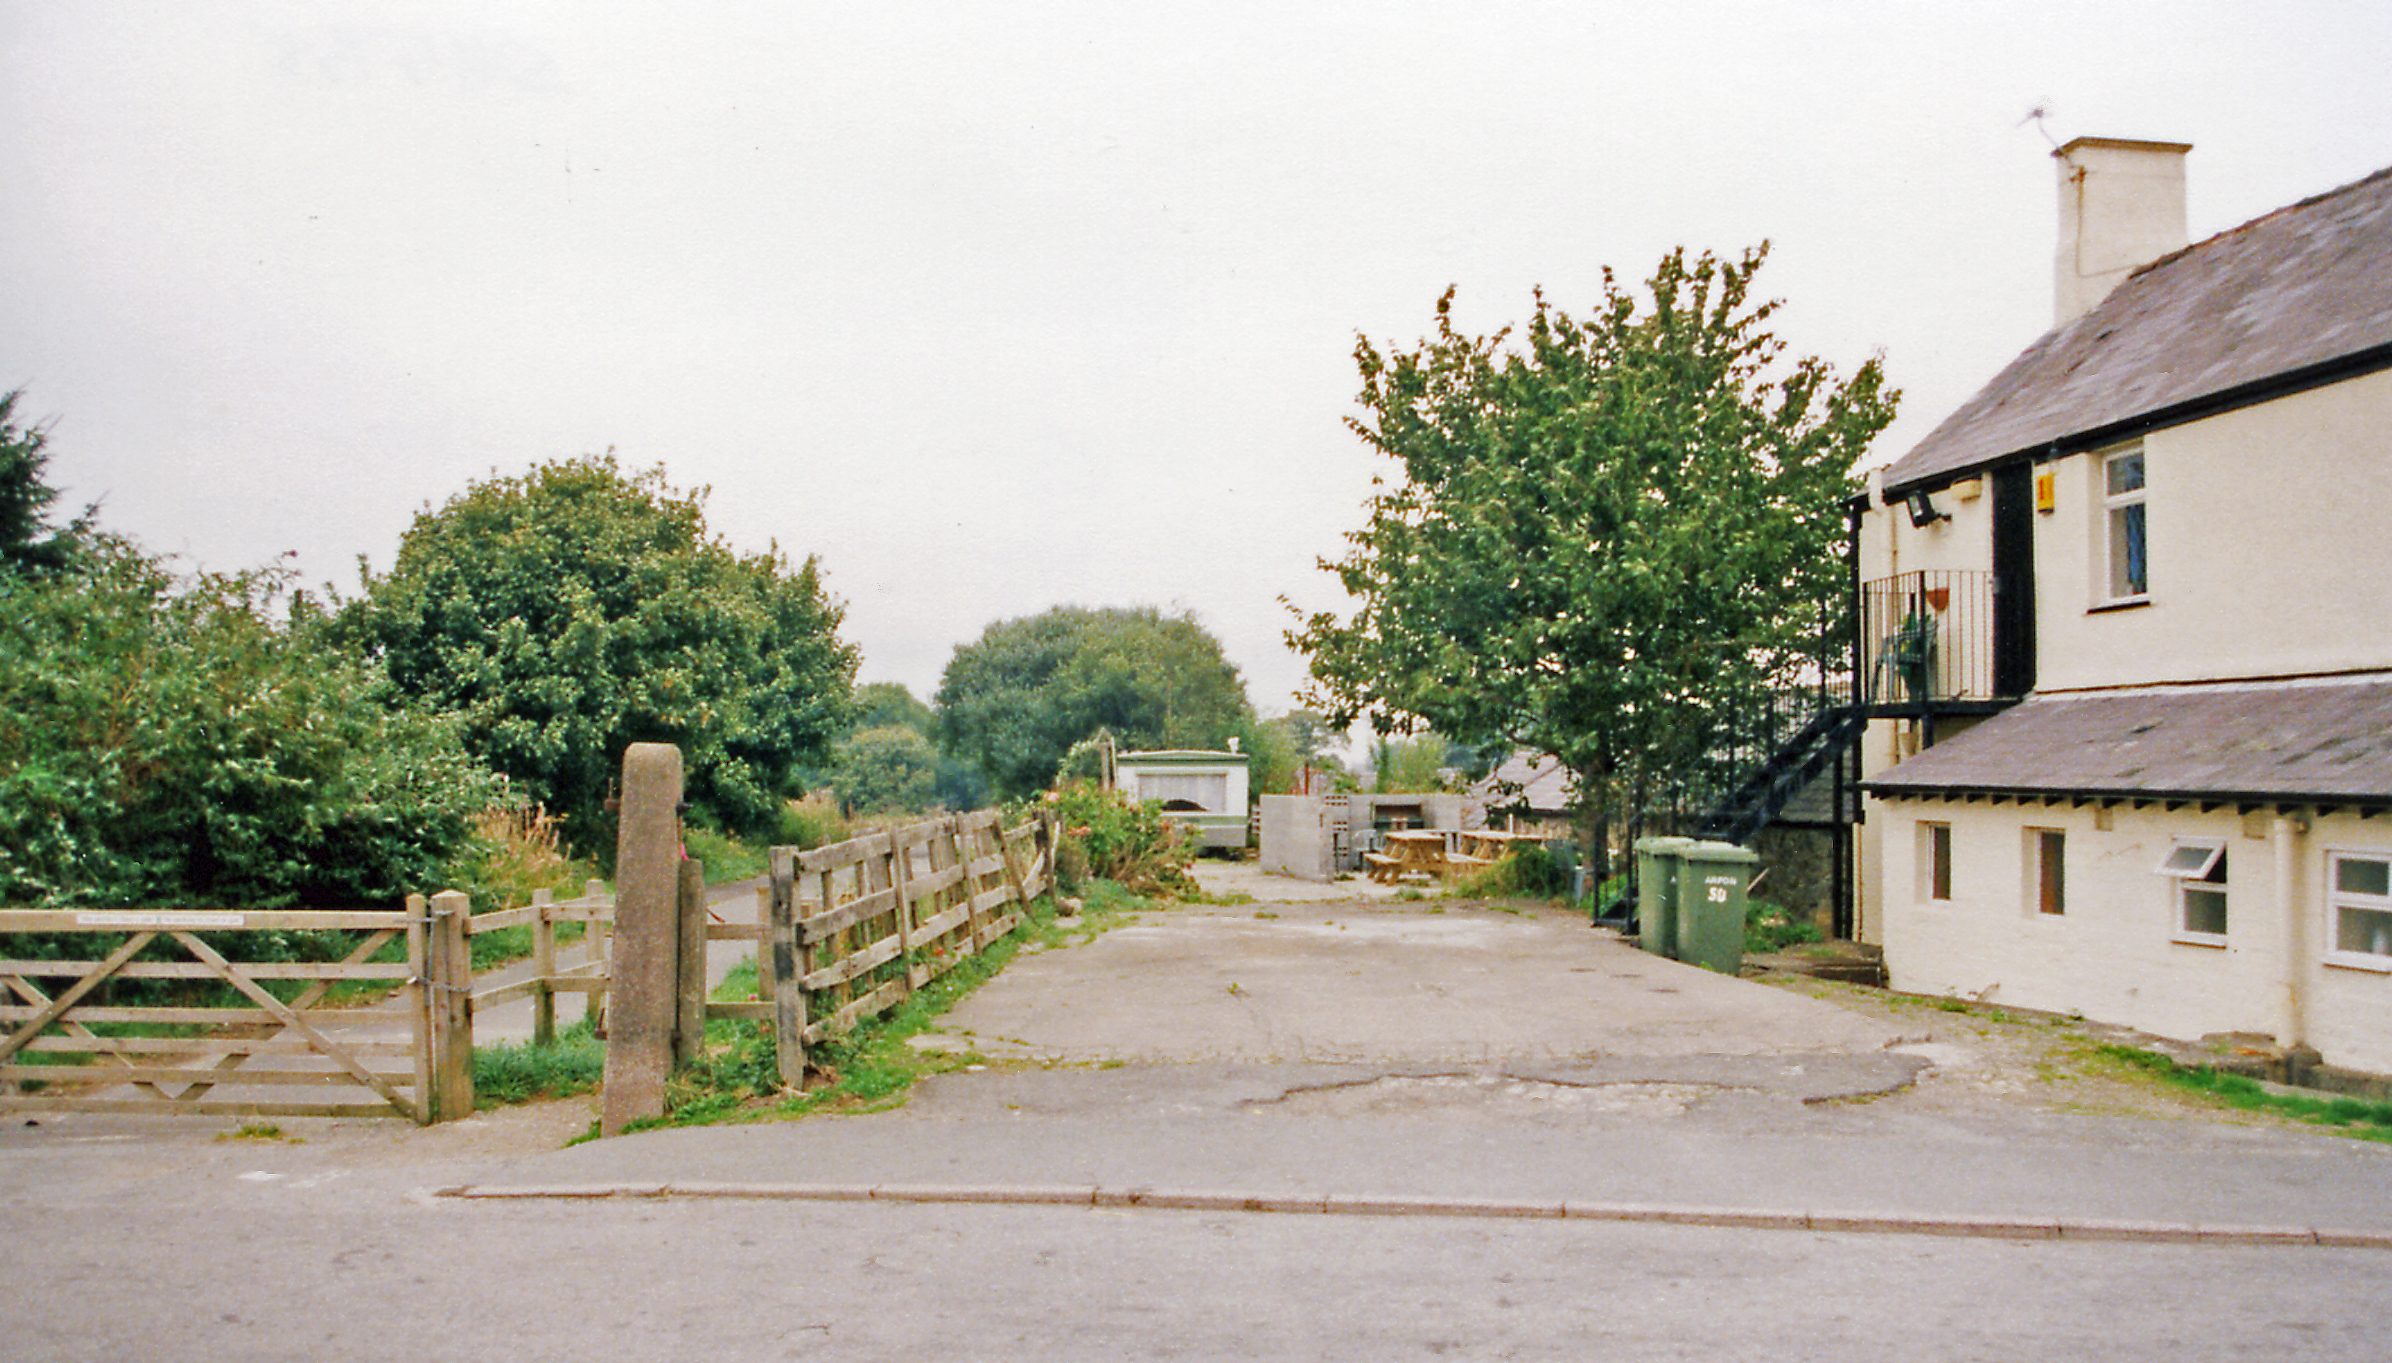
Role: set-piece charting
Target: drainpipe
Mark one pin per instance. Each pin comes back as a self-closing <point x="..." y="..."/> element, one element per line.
<point x="2289" y="831"/>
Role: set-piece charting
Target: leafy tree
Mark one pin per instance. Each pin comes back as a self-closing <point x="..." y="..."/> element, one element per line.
<point x="172" y="741"/>
<point x="881" y="704"/>
<point x="1014" y="702"/>
<point x="1605" y="538"/>
<point x="1417" y="763"/>
<point x="890" y="769"/>
<point x="575" y="610"/>
<point x="25" y="502"/>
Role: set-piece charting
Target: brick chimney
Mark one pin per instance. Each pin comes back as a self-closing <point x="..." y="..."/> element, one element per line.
<point x="2121" y="207"/>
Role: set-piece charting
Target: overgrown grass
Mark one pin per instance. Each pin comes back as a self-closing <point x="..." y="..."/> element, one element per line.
<point x="521" y="1072"/>
<point x="725" y="857"/>
<point x="2351" y="1116"/>
<point x="811" y="822"/>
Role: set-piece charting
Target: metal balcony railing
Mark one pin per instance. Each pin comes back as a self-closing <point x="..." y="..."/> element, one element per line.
<point x="1927" y="636"/>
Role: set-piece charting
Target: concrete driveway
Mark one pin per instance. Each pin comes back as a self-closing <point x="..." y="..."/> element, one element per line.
<point x="1294" y="979"/>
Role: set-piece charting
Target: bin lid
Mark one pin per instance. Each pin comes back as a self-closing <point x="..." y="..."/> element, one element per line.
<point x="1663" y="844"/>
<point x="1695" y="850"/>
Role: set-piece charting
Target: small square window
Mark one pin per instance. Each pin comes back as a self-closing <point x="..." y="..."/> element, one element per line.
<point x="2047" y="870"/>
<point x="2199" y="872"/>
<point x="2359" y="902"/>
<point x="1935" y="860"/>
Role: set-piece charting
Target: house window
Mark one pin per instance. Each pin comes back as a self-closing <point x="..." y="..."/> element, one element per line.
<point x="1935" y="860"/>
<point x="2359" y="901"/>
<point x="2198" y="870"/>
<point x="2047" y="883"/>
<point x="2122" y="508"/>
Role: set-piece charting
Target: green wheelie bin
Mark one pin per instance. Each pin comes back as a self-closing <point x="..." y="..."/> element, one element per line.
<point x="1712" y="877"/>
<point x="1657" y="894"/>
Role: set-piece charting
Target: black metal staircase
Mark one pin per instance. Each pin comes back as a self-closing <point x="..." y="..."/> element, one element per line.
<point x="1757" y="801"/>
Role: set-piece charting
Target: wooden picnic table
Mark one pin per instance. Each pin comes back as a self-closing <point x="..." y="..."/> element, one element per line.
<point x="1492" y="845"/>
<point x="1409" y="851"/>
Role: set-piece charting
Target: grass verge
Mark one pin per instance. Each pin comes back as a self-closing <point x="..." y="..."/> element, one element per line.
<point x="2351" y="1116"/>
<point x="521" y="1072"/>
<point x="873" y="1068"/>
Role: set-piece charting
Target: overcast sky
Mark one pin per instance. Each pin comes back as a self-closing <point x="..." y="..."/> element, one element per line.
<point x="995" y="307"/>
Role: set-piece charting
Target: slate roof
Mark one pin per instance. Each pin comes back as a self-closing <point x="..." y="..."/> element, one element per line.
<point x="2301" y="295"/>
<point x="2320" y="742"/>
<point x="1545" y="786"/>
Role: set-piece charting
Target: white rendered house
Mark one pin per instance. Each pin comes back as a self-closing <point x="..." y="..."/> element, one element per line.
<point x="2136" y="588"/>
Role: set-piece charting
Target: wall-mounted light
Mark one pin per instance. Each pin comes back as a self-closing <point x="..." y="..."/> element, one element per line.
<point x="1922" y="510"/>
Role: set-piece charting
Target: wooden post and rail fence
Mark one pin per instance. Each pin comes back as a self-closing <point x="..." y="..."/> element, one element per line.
<point x="844" y="933"/>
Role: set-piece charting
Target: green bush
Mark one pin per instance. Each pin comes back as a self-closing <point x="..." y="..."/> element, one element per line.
<point x="1526" y="872"/>
<point x="1108" y="836"/>
<point x="170" y="740"/>
<point x="1770" y="927"/>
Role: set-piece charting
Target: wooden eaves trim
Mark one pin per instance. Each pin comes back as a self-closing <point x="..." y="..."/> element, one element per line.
<point x="2207" y="801"/>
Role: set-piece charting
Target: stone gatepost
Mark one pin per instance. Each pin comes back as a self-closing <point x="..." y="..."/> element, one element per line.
<point x="643" y="1007"/>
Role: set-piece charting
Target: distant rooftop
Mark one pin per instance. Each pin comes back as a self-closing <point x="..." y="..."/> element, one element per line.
<point x="2302" y="295"/>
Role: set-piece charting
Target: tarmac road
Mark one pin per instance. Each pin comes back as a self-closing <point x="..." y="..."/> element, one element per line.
<point x="1453" y="1113"/>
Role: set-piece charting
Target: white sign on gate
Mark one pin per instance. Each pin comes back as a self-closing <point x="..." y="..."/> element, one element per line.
<point x="159" y="920"/>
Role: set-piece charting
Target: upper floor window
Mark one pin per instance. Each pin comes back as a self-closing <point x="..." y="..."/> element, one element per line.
<point x="2359" y="902"/>
<point x="2129" y="557"/>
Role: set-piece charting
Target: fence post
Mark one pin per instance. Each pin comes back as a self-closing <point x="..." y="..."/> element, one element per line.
<point x="419" y="985"/>
<point x="594" y="936"/>
<point x="778" y="961"/>
<point x="544" y="966"/>
<point x="1013" y="875"/>
<point x="643" y="985"/>
<point x="901" y="881"/>
<point x="689" y="1029"/>
<point x="764" y="942"/>
<point x="975" y="918"/>
<point x="452" y="1007"/>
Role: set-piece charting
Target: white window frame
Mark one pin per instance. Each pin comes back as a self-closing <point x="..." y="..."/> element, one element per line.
<point x="2198" y="866"/>
<point x="2339" y="900"/>
<point x="2035" y="850"/>
<point x="1930" y="865"/>
<point x="2114" y="507"/>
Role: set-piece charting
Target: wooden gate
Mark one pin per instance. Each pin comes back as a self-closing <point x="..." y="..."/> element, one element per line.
<point x="264" y="1032"/>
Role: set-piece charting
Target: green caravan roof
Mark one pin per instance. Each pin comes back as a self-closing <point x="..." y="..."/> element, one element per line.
<point x="1183" y="757"/>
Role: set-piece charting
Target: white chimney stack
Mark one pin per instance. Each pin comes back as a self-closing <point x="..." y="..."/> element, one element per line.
<point x="2121" y="207"/>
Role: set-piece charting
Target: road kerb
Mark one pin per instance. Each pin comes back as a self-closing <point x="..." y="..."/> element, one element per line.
<point x="557" y="1191"/>
<point x="786" y="1192"/>
<point x="1347" y="1204"/>
<point x="987" y="1193"/>
<point x="1351" y="1204"/>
